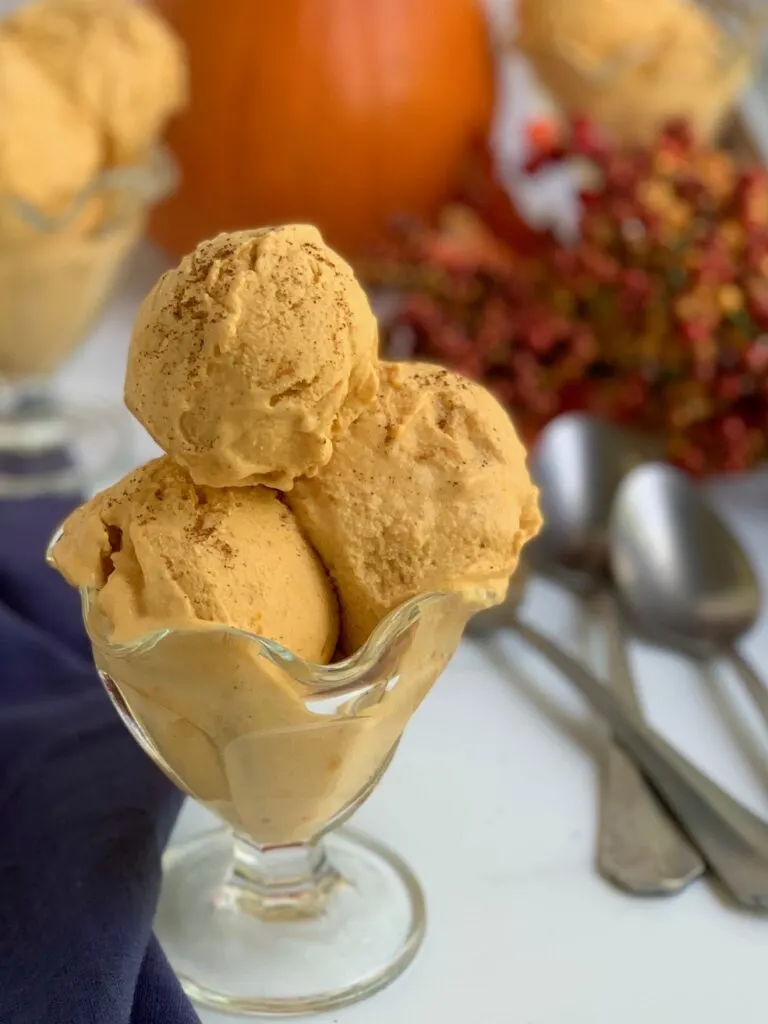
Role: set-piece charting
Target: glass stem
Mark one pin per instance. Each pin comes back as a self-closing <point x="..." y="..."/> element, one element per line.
<point x="279" y="882"/>
<point x="29" y="417"/>
<point x="22" y="392"/>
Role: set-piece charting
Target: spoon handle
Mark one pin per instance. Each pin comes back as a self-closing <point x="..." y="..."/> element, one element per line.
<point x="733" y="841"/>
<point x="640" y="846"/>
<point x="754" y="684"/>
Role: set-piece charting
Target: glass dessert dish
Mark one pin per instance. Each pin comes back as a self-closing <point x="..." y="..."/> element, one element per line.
<point x="633" y="74"/>
<point x="56" y="274"/>
<point x="281" y="911"/>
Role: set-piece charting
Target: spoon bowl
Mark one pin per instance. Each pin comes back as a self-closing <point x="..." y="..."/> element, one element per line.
<point x="681" y="571"/>
<point x="579" y="463"/>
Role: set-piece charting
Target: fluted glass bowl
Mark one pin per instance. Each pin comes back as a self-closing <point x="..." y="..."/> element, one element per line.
<point x="56" y="274"/>
<point x="281" y="912"/>
<point x="694" y="67"/>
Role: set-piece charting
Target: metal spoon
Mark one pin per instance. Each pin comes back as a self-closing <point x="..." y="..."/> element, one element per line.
<point x="579" y="463"/>
<point x="681" y="571"/>
<point x="732" y="839"/>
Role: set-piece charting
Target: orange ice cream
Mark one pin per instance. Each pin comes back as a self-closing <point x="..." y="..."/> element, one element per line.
<point x="166" y="567"/>
<point x="632" y="66"/>
<point x="86" y="88"/>
<point x="164" y="553"/>
<point x="427" y="490"/>
<point x="115" y="62"/>
<point x="48" y="153"/>
<point x="255" y="362"/>
<point x="251" y="356"/>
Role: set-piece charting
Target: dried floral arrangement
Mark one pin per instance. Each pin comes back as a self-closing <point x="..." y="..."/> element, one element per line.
<point x="656" y="316"/>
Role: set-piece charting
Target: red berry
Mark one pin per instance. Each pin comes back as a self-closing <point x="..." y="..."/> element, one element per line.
<point x="542" y="133"/>
<point x="756" y="355"/>
<point x="690" y="188"/>
<point x="545" y="158"/>
<point x="576" y="395"/>
<point x="757" y="301"/>
<point x="565" y="261"/>
<point x="621" y="173"/>
<point x="590" y="198"/>
<point x="471" y="366"/>
<point x="600" y="266"/>
<point x="729" y="387"/>
<point x="696" y="332"/>
<point x="584" y="343"/>
<point x="680" y="133"/>
<point x="713" y="264"/>
<point x="691" y="458"/>
<point x="588" y="138"/>
<point x="734" y="430"/>
<point x="449" y="344"/>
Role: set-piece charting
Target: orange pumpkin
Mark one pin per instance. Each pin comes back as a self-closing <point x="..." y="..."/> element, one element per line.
<point x="342" y="113"/>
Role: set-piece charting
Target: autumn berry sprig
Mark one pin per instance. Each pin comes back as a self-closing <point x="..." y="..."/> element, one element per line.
<point x="657" y="316"/>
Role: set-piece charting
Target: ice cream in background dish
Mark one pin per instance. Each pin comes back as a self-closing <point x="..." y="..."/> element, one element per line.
<point x="48" y="152"/>
<point x="634" y="66"/>
<point x="251" y="356"/>
<point x="86" y="88"/>
<point x="161" y="552"/>
<point x="427" y="490"/>
<point x="115" y="62"/>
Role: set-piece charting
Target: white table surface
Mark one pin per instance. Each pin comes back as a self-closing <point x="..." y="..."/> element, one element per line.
<point x="492" y="800"/>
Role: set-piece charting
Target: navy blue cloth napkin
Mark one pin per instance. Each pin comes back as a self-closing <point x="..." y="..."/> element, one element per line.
<point x="84" y="814"/>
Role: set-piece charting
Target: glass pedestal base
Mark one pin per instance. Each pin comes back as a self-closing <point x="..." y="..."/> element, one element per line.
<point x="232" y="956"/>
<point x="49" y="447"/>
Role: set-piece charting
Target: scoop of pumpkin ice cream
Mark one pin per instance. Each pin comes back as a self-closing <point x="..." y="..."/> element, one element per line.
<point x="634" y="66"/>
<point x="251" y="356"/>
<point x="48" y="152"/>
<point x="599" y="30"/>
<point x="162" y="552"/>
<point x="117" y="62"/>
<point x="427" y="490"/>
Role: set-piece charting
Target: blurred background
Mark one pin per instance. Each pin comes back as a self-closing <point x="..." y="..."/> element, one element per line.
<point x="563" y="198"/>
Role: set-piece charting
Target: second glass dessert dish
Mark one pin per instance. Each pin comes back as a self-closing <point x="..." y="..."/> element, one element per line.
<point x="86" y="91"/>
<point x="633" y="67"/>
<point x="281" y="911"/>
<point x="56" y="274"/>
